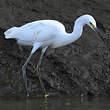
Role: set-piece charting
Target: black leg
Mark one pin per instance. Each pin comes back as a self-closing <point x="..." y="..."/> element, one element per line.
<point x="24" y="73"/>
<point x="38" y="71"/>
<point x="35" y="47"/>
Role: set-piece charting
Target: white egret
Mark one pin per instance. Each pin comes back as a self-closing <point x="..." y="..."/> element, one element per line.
<point x="47" y="33"/>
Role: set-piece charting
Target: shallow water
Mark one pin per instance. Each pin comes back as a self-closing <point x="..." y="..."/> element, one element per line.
<point x="56" y="103"/>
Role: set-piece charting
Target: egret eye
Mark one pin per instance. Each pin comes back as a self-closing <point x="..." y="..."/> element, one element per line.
<point x="90" y="23"/>
<point x="94" y="26"/>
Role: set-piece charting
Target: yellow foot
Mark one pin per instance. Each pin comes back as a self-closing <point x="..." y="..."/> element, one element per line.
<point x="27" y="95"/>
<point x="46" y="95"/>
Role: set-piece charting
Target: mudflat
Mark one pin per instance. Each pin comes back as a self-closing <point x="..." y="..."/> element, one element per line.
<point x="81" y="68"/>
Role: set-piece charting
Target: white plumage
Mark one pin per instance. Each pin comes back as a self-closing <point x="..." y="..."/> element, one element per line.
<point x="47" y="33"/>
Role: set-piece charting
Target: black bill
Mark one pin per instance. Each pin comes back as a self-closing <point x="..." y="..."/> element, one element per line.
<point x="99" y="34"/>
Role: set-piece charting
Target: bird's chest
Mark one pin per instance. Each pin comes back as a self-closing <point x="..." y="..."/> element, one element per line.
<point x="58" y="42"/>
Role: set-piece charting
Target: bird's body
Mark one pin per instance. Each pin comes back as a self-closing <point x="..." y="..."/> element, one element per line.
<point x="42" y="31"/>
<point x="47" y="33"/>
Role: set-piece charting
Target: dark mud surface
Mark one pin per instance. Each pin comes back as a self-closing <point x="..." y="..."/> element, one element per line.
<point x="81" y="68"/>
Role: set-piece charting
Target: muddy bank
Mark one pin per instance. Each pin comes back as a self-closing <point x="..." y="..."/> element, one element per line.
<point x="82" y="67"/>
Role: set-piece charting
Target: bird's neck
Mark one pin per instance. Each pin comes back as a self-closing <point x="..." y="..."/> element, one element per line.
<point x="77" y="31"/>
<point x="76" y="34"/>
<point x="67" y="38"/>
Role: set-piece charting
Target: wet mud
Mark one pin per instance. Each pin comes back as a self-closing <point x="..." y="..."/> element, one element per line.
<point x="81" y="68"/>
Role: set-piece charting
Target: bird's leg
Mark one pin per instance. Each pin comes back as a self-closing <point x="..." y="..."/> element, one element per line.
<point x="38" y="71"/>
<point x="40" y="60"/>
<point x="35" y="47"/>
<point x="24" y="73"/>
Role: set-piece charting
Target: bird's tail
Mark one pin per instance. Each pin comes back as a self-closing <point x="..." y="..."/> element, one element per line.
<point x="9" y="33"/>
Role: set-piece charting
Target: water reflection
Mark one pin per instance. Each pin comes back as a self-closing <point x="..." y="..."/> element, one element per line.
<point x="56" y="103"/>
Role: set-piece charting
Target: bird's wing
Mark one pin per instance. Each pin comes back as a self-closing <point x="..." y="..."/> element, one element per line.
<point x="35" y="31"/>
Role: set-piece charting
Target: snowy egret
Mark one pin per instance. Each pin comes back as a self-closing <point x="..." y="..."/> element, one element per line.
<point x="47" y="33"/>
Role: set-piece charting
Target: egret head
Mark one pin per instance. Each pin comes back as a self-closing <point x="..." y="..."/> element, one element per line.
<point x="92" y="24"/>
<point x="90" y="21"/>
